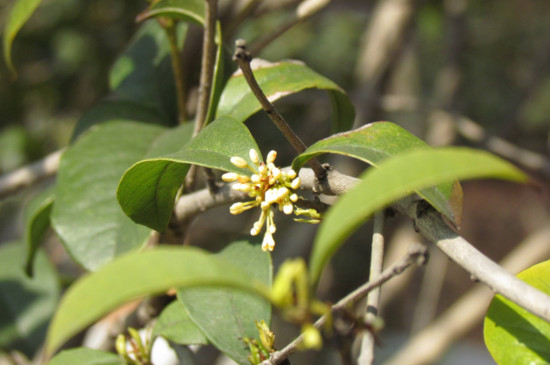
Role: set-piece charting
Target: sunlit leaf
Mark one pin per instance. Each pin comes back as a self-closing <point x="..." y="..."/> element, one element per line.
<point x="26" y="304"/>
<point x="512" y="334"/>
<point x="148" y="189"/>
<point x="136" y="275"/>
<point x="396" y="178"/>
<point x="374" y="143"/>
<point x="278" y="80"/>
<point x="20" y="13"/>
<point x="226" y="315"/>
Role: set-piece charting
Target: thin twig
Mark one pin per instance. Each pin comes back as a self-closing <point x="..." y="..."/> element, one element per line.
<point x="366" y="354"/>
<point x="304" y="11"/>
<point x="415" y="255"/>
<point x="179" y="78"/>
<point x="30" y="174"/>
<point x="243" y="58"/>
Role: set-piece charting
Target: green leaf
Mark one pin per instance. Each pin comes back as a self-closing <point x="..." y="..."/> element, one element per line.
<point x="375" y="142"/>
<point x="278" y="80"/>
<point x="395" y="178"/>
<point x="37" y="222"/>
<point x="175" y="325"/>
<point x="86" y="214"/>
<point x="227" y="315"/>
<point x="148" y="189"/>
<point x="512" y="334"/>
<point x="187" y="10"/>
<point x="110" y="110"/>
<point x="20" y="13"/>
<point x="86" y="356"/>
<point x="193" y="11"/>
<point x="143" y="74"/>
<point x="26" y="304"/>
<point x="136" y="275"/>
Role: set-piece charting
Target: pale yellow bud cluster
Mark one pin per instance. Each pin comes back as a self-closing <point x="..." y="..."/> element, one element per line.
<point x="269" y="186"/>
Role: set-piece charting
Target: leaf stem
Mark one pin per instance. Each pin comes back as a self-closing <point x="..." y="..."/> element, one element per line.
<point x="243" y="58"/>
<point x="207" y="64"/>
<point x="179" y="78"/>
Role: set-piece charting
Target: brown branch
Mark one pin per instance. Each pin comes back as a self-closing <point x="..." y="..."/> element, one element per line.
<point x="243" y="58"/>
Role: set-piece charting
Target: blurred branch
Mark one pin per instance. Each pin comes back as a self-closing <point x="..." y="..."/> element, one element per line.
<point x="474" y="132"/>
<point x="429" y="344"/>
<point x="367" y="341"/>
<point x="305" y="10"/>
<point x="30" y="174"/>
<point x="383" y="41"/>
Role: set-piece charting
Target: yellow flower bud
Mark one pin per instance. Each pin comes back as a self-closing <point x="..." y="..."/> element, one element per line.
<point x="295" y="184"/>
<point x="311" y="337"/>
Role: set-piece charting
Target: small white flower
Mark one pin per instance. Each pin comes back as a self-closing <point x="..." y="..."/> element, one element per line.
<point x="271" y="156"/>
<point x="254" y="156"/>
<point x="239" y="162"/>
<point x="230" y="177"/>
<point x="268" y="243"/>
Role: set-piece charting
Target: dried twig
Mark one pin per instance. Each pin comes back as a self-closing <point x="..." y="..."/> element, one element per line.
<point x="243" y="58"/>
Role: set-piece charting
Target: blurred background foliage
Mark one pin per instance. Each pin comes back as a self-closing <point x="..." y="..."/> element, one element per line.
<point x="487" y="60"/>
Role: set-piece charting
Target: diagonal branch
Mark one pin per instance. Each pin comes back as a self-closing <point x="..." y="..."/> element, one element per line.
<point x="432" y="226"/>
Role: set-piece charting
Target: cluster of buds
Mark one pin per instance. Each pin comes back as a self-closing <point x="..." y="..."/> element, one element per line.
<point x="268" y="186"/>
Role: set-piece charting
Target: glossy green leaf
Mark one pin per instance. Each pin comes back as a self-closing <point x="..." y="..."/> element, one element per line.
<point x="86" y="356"/>
<point x="187" y="10"/>
<point x="37" y="222"/>
<point x="375" y="142"/>
<point x="86" y="214"/>
<point x="512" y="334"/>
<point x="227" y="315"/>
<point x="278" y="80"/>
<point x="193" y="11"/>
<point x="26" y="304"/>
<point x="143" y="73"/>
<point x="175" y="325"/>
<point x="136" y="275"/>
<point x="111" y="110"/>
<point x="20" y="13"/>
<point x="396" y="178"/>
<point x="147" y="190"/>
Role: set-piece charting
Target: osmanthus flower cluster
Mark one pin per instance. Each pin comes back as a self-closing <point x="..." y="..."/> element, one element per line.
<point x="269" y="186"/>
